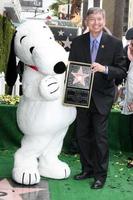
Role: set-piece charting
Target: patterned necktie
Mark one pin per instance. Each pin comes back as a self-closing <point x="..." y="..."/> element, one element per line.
<point x="94" y="50"/>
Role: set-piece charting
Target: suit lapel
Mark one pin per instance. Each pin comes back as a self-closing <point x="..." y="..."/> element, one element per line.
<point x="102" y="48"/>
<point x="86" y="47"/>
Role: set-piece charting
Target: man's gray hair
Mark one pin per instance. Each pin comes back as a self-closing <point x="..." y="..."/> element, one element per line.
<point x="95" y="10"/>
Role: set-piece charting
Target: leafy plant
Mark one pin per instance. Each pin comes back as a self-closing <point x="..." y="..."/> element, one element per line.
<point x="10" y="100"/>
<point x="6" y="32"/>
<point x="54" y="7"/>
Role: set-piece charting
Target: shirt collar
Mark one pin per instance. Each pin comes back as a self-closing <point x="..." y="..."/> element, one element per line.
<point x="98" y="38"/>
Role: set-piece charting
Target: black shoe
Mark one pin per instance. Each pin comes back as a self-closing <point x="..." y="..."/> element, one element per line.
<point x="130" y="164"/>
<point x="98" y="184"/>
<point x="83" y="175"/>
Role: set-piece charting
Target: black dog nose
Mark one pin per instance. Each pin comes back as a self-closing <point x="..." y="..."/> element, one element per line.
<point x="59" y="68"/>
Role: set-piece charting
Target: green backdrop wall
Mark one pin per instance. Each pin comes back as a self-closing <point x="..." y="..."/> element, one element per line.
<point x="118" y="130"/>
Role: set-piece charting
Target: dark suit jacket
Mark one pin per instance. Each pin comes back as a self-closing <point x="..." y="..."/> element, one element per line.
<point x="126" y="57"/>
<point x="110" y="53"/>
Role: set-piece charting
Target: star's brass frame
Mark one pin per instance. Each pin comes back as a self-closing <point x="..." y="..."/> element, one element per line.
<point x="78" y="96"/>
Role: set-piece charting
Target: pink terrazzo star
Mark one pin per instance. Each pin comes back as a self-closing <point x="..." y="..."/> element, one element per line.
<point x="79" y="77"/>
<point x="7" y="192"/>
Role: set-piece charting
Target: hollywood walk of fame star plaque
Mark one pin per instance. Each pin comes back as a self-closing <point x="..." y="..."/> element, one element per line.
<point x="78" y="84"/>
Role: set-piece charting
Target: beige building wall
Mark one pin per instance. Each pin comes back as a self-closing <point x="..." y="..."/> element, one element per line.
<point x="130" y="14"/>
<point x="1" y="7"/>
<point x="11" y="8"/>
<point x="109" y="7"/>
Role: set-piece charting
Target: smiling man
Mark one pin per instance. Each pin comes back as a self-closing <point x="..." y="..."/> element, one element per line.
<point x="105" y="53"/>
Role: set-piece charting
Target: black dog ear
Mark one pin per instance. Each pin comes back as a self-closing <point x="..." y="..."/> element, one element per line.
<point x="11" y="71"/>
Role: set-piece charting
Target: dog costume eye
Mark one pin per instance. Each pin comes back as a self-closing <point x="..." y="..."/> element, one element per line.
<point x="31" y="49"/>
<point x="22" y="38"/>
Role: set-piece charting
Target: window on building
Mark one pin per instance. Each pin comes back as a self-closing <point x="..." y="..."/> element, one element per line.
<point x="96" y="3"/>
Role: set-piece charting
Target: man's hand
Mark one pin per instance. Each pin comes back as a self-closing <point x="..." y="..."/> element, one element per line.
<point x="96" y="67"/>
<point x="130" y="107"/>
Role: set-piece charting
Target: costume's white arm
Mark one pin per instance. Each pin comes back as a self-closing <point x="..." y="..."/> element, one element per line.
<point x="49" y="88"/>
<point x="37" y="86"/>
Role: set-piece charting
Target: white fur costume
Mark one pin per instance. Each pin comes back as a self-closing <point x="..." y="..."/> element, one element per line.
<point x="41" y="115"/>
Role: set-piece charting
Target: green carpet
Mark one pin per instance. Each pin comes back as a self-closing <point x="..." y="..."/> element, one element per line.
<point x="119" y="185"/>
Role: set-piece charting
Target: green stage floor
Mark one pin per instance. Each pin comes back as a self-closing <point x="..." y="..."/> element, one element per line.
<point x="119" y="185"/>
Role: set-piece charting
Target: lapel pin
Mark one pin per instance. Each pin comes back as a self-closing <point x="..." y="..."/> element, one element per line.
<point x="102" y="46"/>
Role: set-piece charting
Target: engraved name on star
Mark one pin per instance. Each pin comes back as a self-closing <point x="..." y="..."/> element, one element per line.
<point x="79" y="77"/>
<point x="7" y="192"/>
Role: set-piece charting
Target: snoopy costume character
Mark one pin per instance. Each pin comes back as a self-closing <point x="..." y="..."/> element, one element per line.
<point x="41" y="115"/>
